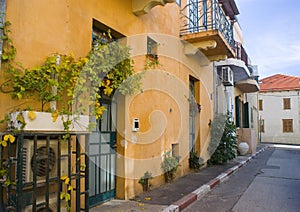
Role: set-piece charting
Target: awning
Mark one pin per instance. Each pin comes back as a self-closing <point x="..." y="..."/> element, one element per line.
<point x="248" y="86"/>
<point x="240" y="70"/>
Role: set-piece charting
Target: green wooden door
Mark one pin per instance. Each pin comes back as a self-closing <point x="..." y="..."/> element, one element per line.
<point x="102" y="163"/>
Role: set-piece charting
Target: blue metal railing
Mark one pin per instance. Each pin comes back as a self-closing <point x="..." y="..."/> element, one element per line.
<point x="205" y="15"/>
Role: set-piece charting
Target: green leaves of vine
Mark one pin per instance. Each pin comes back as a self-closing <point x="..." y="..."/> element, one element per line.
<point x="76" y="84"/>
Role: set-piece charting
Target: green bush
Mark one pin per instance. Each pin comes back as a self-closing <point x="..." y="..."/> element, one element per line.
<point x="195" y="162"/>
<point x="169" y="166"/>
<point x="223" y="145"/>
<point x="144" y="181"/>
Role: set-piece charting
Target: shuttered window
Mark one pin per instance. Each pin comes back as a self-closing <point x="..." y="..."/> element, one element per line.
<point x="237" y="111"/>
<point x="260" y="104"/>
<point x="286" y="103"/>
<point x="262" y="125"/>
<point x="287" y="125"/>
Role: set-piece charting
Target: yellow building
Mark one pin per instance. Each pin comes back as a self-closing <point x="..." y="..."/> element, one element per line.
<point x="174" y="44"/>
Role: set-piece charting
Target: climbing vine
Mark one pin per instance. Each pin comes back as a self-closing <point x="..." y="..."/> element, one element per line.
<point x="75" y="84"/>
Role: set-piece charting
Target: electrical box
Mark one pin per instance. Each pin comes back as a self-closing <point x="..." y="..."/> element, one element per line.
<point x="135" y="125"/>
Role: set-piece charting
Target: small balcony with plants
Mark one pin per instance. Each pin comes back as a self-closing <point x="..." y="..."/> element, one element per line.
<point x="208" y="25"/>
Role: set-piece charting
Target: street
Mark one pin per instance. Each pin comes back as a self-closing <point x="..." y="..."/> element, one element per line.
<point x="269" y="182"/>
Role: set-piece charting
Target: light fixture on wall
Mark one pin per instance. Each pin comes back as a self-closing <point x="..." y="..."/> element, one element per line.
<point x="199" y="108"/>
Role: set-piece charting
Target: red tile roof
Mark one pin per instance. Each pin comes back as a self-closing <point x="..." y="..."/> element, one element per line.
<point x="279" y="82"/>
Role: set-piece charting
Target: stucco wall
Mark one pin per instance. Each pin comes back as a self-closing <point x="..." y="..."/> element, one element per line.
<point x="273" y="113"/>
<point x="40" y="28"/>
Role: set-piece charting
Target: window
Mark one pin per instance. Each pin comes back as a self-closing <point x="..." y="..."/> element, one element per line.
<point x="152" y="48"/>
<point x="262" y="125"/>
<point x="238" y="112"/>
<point x="175" y="150"/>
<point x="260" y="104"/>
<point x="287" y="125"/>
<point x="286" y="103"/>
<point x="245" y="115"/>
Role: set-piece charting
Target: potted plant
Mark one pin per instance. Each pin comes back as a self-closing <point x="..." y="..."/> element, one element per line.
<point x="144" y="180"/>
<point x="169" y="166"/>
<point x="195" y="162"/>
<point x="52" y="82"/>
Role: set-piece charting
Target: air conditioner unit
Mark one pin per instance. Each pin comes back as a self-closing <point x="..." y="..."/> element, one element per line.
<point x="227" y="76"/>
<point x="44" y="158"/>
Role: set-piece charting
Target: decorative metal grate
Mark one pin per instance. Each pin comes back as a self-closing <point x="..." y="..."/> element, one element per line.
<point x="204" y="15"/>
<point x="35" y="165"/>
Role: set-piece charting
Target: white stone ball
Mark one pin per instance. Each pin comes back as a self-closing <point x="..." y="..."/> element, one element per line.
<point x="243" y="148"/>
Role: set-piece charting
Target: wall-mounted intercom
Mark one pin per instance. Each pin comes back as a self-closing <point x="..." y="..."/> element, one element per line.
<point x="135" y="125"/>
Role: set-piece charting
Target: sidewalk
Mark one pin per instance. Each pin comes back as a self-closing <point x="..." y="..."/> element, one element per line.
<point x="179" y="194"/>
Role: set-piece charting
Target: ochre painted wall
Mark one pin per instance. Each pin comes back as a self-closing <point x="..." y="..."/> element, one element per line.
<point x="40" y="28"/>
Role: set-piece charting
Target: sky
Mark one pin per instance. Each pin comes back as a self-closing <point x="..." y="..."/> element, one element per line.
<point x="271" y="31"/>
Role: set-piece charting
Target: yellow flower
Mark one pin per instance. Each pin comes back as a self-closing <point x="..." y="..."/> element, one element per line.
<point x="148" y="198"/>
<point x="108" y="90"/>
<point x="31" y="115"/>
<point x="67" y="181"/>
<point x="64" y="177"/>
<point x="99" y="111"/>
<point x="54" y="116"/>
<point x="9" y="137"/>
<point x="3" y="143"/>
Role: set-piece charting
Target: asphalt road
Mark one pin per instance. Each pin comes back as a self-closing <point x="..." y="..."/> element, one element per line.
<point x="269" y="182"/>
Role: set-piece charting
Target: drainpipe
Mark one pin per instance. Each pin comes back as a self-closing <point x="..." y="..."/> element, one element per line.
<point x="258" y="119"/>
<point x="215" y="96"/>
<point x="2" y="21"/>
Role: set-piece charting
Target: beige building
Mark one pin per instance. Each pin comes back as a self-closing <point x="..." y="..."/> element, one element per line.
<point x="279" y="109"/>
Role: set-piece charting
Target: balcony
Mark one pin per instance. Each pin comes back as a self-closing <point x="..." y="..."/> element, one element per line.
<point x="248" y="86"/>
<point x="205" y="25"/>
<point x="141" y="7"/>
<point x="243" y="72"/>
<point x="239" y="64"/>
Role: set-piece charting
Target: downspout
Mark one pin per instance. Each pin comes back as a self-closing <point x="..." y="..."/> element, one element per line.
<point x="215" y="96"/>
<point x="2" y="22"/>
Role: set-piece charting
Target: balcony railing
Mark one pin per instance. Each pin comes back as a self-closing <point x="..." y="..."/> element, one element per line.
<point x="206" y="15"/>
<point x="240" y="52"/>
